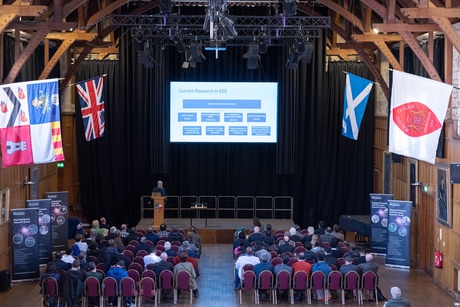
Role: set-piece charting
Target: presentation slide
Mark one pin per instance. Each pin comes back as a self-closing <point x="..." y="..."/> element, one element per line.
<point x="224" y="112"/>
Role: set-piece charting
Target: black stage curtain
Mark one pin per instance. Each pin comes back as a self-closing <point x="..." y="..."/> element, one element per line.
<point x="326" y="174"/>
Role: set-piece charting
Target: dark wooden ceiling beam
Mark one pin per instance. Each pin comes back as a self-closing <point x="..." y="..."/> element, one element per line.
<point x="396" y="27"/>
<point x="376" y="72"/>
<point x="105" y="11"/>
<point x="55" y="59"/>
<point x="350" y="17"/>
<point x="424" y="12"/>
<point x="42" y="25"/>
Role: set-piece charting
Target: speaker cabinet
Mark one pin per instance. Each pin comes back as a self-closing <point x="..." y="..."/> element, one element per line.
<point x="455" y="173"/>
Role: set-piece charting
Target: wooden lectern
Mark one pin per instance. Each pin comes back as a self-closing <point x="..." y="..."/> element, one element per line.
<point x="158" y="209"/>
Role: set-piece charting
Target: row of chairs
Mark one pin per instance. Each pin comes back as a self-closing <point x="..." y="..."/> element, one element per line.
<point x="146" y="288"/>
<point x="301" y="282"/>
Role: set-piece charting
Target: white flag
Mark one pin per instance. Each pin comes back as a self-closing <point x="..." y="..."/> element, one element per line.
<point x="418" y="109"/>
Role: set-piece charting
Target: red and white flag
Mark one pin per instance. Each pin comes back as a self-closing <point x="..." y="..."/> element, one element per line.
<point x="418" y="109"/>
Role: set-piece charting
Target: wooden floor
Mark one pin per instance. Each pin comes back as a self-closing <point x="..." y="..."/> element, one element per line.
<point x="216" y="286"/>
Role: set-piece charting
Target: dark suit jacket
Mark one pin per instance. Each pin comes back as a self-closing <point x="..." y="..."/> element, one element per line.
<point x="348" y="268"/>
<point x="285" y="248"/>
<point x="61" y="265"/>
<point x="162" y="266"/>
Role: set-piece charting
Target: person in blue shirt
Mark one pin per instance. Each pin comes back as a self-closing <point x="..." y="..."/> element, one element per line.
<point x="118" y="271"/>
<point x="322" y="266"/>
<point x="264" y="265"/>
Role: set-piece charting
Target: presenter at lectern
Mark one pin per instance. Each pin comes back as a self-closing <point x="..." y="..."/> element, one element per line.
<point x="159" y="188"/>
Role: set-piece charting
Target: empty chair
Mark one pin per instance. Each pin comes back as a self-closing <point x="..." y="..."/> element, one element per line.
<point x="133" y="242"/>
<point x="333" y="267"/>
<point x="101" y="271"/>
<point x="265" y="283"/>
<point x="351" y="283"/>
<point x="160" y="248"/>
<point x="300" y="283"/>
<point x="50" y="288"/>
<point x="161" y="242"/>
<point x="147" y="290"/>
<point x="276" y="260"/>
<point x="317" y="283"/>
<point x="92" y="292"/>
<point x="289" y="254"/>
<point x="128" y="290"/>
<point x="129" y="254"/>
<point x="183" y="283"/>
<point x="299" y="249"/>
<point x="139" y="259"/>
<point x="149" y="243"/>
<point x="292" y="261"/>
<point x="101" y="266"/>
<point x="273" y="254"/>
<point x="176" y="243"/>
<point x="150" y="266"/>
<point x="341" y="262"/>
<point x="279" y="231"/>
<point x="298" y="244"/>
<point x="130" y="248"/>
<point x="137" y="267"/>
<point x="134" y="274"/>
<point x="165" y="283"/>
<point x="283" y="284"/>
<point x="334" y="283"/>
<point x="248" y="284"/>
<point x="149" y="273"/>
<point x="142" y="253"/>
<point x="109" y="291"/>
<point x="369" y="282"/>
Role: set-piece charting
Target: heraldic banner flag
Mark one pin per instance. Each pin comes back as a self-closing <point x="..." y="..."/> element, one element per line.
<point x="30" y="127"/>
<point x="91" y="94"/>
<point x="418" y="109"/>
<point x="356" y="95"/>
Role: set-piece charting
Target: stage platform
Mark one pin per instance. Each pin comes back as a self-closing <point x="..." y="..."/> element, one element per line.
<point x="218" y="230"/>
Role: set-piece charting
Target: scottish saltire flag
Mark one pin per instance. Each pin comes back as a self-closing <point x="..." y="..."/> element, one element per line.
<point x="356" y="94"/>
<point x="418" y="109"/>
<point x="91" y="94"/>
<point x="30" y="127"/>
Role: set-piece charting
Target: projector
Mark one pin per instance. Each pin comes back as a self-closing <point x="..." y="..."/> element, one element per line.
<point x="215" y="45"/>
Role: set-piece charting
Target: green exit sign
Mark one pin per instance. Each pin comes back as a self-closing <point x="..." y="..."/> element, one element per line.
<point x="60" y="165"/>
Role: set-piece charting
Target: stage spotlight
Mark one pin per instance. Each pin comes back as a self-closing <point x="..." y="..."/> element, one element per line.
<point x="293" y="59"/>
<point x="253" y="56"/>
<point x="165" y="7"/>
<point x="193" y="55"/>
<point x="228" y="25"/>
<point x="179" y="43"/>
<point x="290" y="7"/>
<point x="307" y="53"/>
<point x="145" y="56"/>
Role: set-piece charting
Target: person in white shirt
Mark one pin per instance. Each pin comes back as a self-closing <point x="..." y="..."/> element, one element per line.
<point x="152" y="258"/>
<point x="248" y="258"/>
<point x="68" y="256"/>
<point x="82" y="245"/>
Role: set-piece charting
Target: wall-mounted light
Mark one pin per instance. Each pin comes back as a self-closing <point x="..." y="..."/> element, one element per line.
<point x="27" y="182"/>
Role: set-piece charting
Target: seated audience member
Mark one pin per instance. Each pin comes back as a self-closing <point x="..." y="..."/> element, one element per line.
<point x="117" y="241"/>
<point x="83" y="246"/>
<point x="396" y="299"/>
<point x="96" y="228"/>
<point x="286" y="246"/>
<point x="349" y="266"/>
<point x="142" y="246"/>
<point x="298" y="232"/>
<point x="336" y="232"/>
<point x="175" y="235"/>
<point x="126" y="260"/>
<point x="176" y="260"/>
<point x="185" y="247"/>
<point x="264" y="265"/>
<point x="132" y="236"/>
<point x="93" y="250"/>
<point x="283" y="266"/>
<point x="161" y="266"/>
<point x="170" y="252"/>
<point x="184" y="265"/>
<point x="293" y="236"/>
<point x="163" y="233"/>
<point x="118" y="271"/>
<point x="103" y="223"/>
<point x="50" y="271"/>
<point x="152" y="236"/>
<point x="361" y="258"/>
<point x="301" y="265"/>
<point x="75" y="250"/>
<point x="152" y="257"/>
<point x="307" y="238"/>
<point x="241" y="238"/>
<point x="322" y="266"/>
<point x="369" y="265"/>
<point x="316" y="245"/>
<point x="327" y="236"/>
<point x="73" y="285"/>
<point x="336" y="251"/>
<point x="247" y="258"/>
<point x="123" y="231"/>
<point x="321" y="228"/>
<point x="239" y="250"/>
<point x="256" y="236"/>
<point x="268" y="229"/>
<point x="94" y="301"/>
<point x="193" y="246"/>
<point x="196" y="236"/>
<point x="67" y="257"/>
<point x="111" y="234"/>
<point x="309" y="254"/>
<point x="354" y="252"/>
<point x="83" y="262"/>
<point x="263" y="251"/>
<point x="256" y="223"/>
<point x="329" y="258"/>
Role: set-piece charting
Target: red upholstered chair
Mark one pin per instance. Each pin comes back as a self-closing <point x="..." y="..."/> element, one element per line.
<point x="161" y="242"/>
<point x="128" y="289"/>
<point x="134" y="274"/>
<point x="109" y="289"/>
<point x="150" y="266"/>
<point x="289" y="254"/>
<point x="341" y="262"/>
<point x="129" y="254"/>
<point x="351" y="283"/>
<point x="165" y="283"/>
<point x="101" y="266"/>
<point x="50" y="289"/>
<point x="149" y="273"/>
<point x="160" y="248"/>
<point x="101" y="271"/>
<point x="149" y="243"/>
<point x="298" y="244"/>
<point x="248" y="267"/>
<point x="292" y="261"/>
<point x="265" y="283"/>
<point x="283" y="283"/>
<point x="183" y="283"/>
<point x="299" y="249"/>
<point x="333" y="267"/>
<point x="133" y="242"/>
<point x="136" y="266"/>
<point x="176" y="243"/>
<point x="317" y="282"/>
<point x="139" y="259"/>
<point x="369" y="282"/>
<point x="276" y="260"/>
<point x="300" y="282"/>
<point x="141" y="253"/>
<point x="92" y="288"/>
<point x="131" y="248"/>
<point x="147" y="290"/>
<point x="334" y="283"/>
<point x="248" y="284"/>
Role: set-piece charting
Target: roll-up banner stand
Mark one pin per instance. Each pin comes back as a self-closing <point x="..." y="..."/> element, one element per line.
<point x="24" y="244"/>
<point x="379" y="222"/>
<point x="44" y="228"/>
<point x="59" y="219"/>
<point x="399" y="221"/>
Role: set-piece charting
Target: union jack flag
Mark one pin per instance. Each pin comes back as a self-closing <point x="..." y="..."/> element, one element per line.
<point x="91" y="94"/>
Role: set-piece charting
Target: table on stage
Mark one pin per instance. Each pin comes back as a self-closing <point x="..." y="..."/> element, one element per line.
<point x="199" y="207"/>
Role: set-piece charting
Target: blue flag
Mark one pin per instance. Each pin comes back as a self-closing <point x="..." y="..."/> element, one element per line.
<point x="356" y="95"/>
